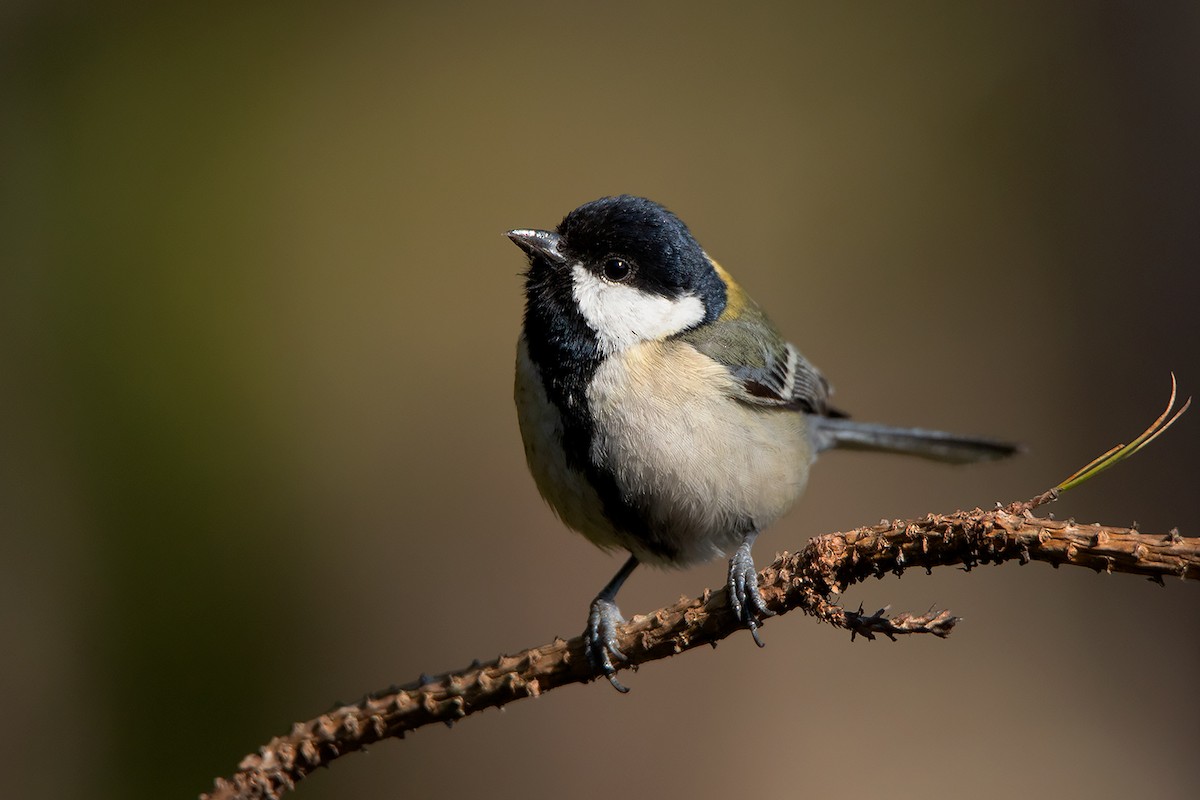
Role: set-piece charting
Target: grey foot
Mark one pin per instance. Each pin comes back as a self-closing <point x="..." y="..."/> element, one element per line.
<point x="600" y="640"/>
<point x="744" y="598"/>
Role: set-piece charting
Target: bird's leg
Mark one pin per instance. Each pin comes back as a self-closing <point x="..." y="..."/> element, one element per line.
<point x="600" y="638"/>
<point x="744" y="598"/>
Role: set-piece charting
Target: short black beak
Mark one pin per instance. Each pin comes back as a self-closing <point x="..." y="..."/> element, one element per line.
<point x="539" y="243"/>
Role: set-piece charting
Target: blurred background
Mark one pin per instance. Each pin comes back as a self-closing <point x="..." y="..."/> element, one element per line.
<point x="257" y="323"/>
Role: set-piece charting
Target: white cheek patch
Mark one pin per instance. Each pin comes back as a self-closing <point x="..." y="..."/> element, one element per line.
<point x="622" y="315"/>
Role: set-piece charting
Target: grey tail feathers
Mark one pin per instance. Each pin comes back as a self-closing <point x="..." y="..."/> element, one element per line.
<point x="831" y="432"/>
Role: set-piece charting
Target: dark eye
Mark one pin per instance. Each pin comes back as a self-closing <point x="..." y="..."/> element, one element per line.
<point x="617" y="269"/>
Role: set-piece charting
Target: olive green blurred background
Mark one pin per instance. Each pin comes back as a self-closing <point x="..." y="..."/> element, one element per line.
<point x="257" y="321"/>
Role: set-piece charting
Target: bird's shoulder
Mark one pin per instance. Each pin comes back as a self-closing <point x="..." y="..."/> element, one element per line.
<point x="767" y="370"/>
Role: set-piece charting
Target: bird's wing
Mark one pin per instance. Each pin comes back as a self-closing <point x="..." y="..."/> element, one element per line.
<point x="767" y="370"/>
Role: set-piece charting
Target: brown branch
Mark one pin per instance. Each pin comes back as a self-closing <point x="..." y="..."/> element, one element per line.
<point x="810" y="581"/>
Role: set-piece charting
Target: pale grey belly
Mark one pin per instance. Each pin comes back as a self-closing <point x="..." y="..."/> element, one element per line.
<point x="706" y="466"/>
<point x="700" y="466"/>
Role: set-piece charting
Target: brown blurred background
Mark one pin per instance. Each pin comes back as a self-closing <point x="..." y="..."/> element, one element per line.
<point x="257" y="321"/>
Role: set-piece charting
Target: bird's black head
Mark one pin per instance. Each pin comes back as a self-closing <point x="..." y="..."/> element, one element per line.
<point x="616" y="272"/>
<point x="638" y="243"/>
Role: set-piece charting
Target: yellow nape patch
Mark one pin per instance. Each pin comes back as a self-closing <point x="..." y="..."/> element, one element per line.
<point x="737" y="300"/>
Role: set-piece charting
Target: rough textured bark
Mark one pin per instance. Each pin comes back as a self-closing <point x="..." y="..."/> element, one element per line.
<point x="810" y="580"/>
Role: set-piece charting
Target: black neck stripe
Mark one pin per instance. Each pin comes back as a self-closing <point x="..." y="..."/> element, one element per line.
<point x="566" y="353"/>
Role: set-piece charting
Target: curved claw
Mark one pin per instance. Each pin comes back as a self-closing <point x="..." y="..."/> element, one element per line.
<point x="600" y="640"/>
<point x="744" y="597"/>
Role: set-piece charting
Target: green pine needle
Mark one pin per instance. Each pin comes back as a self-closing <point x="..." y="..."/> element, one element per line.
<point x="1124" y="451"/>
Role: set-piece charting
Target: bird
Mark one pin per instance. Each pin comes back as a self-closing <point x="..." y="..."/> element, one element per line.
<point x="662" y="413"/>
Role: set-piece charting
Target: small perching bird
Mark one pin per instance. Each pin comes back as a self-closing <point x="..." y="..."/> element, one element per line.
<point x="662" y="413"/>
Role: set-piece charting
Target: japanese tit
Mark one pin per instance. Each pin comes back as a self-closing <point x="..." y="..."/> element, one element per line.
<point x="662" y="413"/>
